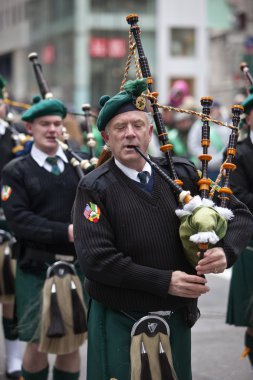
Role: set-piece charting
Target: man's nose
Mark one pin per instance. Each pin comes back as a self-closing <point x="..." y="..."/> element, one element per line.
<point x="130" y="131"/>
<point x="52" y="127"/>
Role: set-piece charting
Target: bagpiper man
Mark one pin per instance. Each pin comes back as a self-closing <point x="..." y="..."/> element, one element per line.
<point x="240" y="301"/>
<point x="39" y="194"/>
<point x="127" y="240"/>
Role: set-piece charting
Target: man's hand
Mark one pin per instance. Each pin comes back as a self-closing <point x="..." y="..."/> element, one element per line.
<point x="214" y="261"/>
<point x="71" y="233"/>
<point x="187" y="285"/>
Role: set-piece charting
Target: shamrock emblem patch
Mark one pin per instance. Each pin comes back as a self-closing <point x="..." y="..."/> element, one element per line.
<point x="92" y="212"/>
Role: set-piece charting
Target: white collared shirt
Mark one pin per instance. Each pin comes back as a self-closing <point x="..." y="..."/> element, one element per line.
<point x="251" y="136"/>
<point x="40" y="157"/>
<point x="132" y="173"/>
<point x="3" y="126"/>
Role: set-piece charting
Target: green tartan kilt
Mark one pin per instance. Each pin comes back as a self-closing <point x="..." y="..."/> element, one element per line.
<point x="240" y="299"/>
<point x="109" y="338"/>
<point x="29" y="301"/>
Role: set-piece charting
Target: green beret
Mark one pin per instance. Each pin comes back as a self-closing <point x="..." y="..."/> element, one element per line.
<point x="127" y="100"/>
<point x="44" y="107"/>
<point x="248" y="102"/>
<point x="2" y="88"/>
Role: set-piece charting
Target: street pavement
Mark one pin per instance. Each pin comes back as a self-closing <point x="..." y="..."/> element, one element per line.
<point x="216" y="347"/>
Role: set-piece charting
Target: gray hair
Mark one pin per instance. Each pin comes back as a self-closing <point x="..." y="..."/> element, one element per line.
<point x="148" y="115"/>
<point x="150" y="118"/>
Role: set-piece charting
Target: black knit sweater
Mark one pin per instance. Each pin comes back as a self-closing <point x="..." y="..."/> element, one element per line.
<point x="38" y="210"/>
<point x="242" y="178"/>
<point x="128" y="256"/>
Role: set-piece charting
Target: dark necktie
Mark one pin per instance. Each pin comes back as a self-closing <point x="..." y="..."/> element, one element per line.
<point x="143" y="177"/>
<point x="53" y="162"/>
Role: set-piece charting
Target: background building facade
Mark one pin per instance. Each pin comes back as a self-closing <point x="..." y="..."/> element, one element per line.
<point x="181" y="43"/>
<point x="83" y="45"/>
<point x="228" y="48"/>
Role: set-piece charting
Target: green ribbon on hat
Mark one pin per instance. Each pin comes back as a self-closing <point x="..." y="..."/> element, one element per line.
<point x="110" y="106"/>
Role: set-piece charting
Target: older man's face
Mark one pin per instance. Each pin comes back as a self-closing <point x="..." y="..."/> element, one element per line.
<point x="125" y="131"/>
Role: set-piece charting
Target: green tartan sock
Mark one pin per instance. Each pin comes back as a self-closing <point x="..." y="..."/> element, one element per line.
<point x="10" y="328"/>
<point x="41" y="375"/>
<point x="249" y="343"/>
<point x="62" y="375"/>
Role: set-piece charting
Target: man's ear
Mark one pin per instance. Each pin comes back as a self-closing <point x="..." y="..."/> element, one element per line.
<point x="150" y="131"/>
<point x="28" y="127"/>
<point x="105" y="136"/>
<point x="248" y="117"/>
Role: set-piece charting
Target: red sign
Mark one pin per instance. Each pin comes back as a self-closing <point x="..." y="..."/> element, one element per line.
<point x="48" y="54"/>
<point x="107" y="47"/>
<point x="116" y="47"/>
<point x="98" y="47"/>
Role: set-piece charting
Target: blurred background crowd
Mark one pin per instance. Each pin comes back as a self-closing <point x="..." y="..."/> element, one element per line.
<point x="194" y="49"/>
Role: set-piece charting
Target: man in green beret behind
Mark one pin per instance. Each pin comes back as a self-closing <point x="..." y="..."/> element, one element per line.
<point x="240" y="301"/>
<point x="126" y="235"/>
<point x="38" y="191"/>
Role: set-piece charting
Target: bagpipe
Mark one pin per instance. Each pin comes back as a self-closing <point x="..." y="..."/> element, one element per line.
<point x="246" y="71"/>
<point x="87" y="128"/>
<point x="63" y="320"/>
<point x="7" y="267"/>
<point x="82" y="166"/>
<point x="206" y="190"/>
<point x="203" y="219"/>
<point x="76" y="161"/>
<point x="22" y="141"/>
<point x="19" y="142"/>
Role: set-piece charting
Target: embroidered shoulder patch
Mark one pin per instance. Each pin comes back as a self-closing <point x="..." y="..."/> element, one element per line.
<point x="92" y="212"/>
<point x="6" y="193"/>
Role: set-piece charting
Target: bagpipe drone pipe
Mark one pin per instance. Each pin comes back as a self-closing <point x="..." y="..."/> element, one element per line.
<point x="246" y="71"/>
<point x="87" y="128"/>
